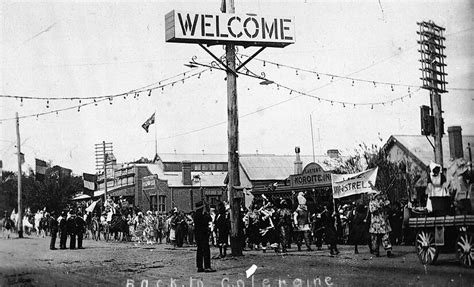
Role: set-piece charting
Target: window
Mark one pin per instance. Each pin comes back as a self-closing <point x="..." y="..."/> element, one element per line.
<point x="197" y="167"/>
<point x="213" y="200"/>
<point x="212" y="166"/>
<point x="173" y="166"/>
<point x="161" y="203"/>
<point x="205" y="166"/>
<point x="153" y="203"/>
<point x="219" y="166"/>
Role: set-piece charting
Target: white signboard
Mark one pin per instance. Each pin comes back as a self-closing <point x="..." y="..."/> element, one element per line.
<point x="247" y="30"/>
<point x="356" y="183"/>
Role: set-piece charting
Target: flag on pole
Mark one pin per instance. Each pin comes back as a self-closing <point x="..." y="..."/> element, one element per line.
<point x="149" y="122"/>
<point x="89" y="183"/>
<point x="41" y="167"/>
<point x="89" y="180"/>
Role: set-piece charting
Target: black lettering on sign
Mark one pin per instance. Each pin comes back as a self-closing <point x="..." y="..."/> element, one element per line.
<point x="205" y="24"/>
<point x="229" y="25"/>
<point x="246" y="30"/>
<point x="188" y="25"/>
<point x="284" y="28"/>
<point x="218" y="34"/>
<point x="272" y="31"/>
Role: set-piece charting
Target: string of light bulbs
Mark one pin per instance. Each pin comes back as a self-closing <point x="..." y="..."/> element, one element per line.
<point x="268" y="81"/>
<point x="156" y="85"/>
<point x="334" y="76"/>
<point x="136" y="92"/>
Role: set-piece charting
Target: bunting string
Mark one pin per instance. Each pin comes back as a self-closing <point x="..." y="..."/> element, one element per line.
<point x="353" y="80"/>
<point x="100" y="99"/>
<point x="267" y="81"/>
<point x="153" y="86"/>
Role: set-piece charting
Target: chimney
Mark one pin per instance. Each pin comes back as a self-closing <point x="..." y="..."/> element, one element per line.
<point x="298" y="162"/>
<point x="186" y="167"/>
<point x="455" y="142"/>
<point x="333" y="153"/>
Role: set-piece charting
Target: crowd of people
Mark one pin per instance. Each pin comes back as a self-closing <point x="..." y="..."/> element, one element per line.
<point x="266" y="224"/>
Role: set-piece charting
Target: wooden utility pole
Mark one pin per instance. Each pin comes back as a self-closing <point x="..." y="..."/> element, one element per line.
<point x="433" y="76"/>
<point x="233" y="144"/>
<point x="20" y="209"/>
<point x="105" y="171"/>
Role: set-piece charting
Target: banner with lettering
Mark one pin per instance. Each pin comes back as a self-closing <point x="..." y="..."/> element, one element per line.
<point x="355" y="183"/>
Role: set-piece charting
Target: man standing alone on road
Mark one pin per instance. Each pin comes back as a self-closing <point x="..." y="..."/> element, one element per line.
<point x="201" y="234"/>
<point x="53" y="227"/>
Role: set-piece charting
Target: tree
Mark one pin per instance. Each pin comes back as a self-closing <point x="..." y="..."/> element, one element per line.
<point x="397" y="179"/>
<point x="54" y="192"/>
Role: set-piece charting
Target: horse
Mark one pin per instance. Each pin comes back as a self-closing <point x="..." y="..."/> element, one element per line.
<point x="44" y="226"/>
<point x="7" y="225"/>
<point x="94" y="228"/>
<point x="119" y="228"/>
<point x="28" y="221"/>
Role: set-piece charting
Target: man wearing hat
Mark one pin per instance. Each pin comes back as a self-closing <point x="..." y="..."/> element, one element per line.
<point x="53" y="225"/>
<point x="201" y="234"/>
<point x="62" y="230"/>
<point x="80" y="225"/>
<point x="71" y="230"/>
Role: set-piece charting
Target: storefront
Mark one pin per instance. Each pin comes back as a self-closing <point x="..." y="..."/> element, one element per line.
<point x="313" y="181"/>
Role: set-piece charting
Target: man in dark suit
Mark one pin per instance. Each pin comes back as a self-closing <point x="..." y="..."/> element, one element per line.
<point x="80" y="229"/>
<point x="201" y="235"/>
<point x="62" y="230"/>
<point x="71" y="230"/>
<point x="53" y="227"/>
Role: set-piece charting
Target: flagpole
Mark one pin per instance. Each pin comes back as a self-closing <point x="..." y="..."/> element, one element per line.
<point x="156" y="141"/>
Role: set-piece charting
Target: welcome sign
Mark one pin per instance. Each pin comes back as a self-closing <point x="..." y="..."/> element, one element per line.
<point x="246" y="30"/>
<point x="355" y="183"/>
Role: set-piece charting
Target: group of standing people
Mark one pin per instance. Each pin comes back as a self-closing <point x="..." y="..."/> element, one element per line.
<point x="67" y="224"/>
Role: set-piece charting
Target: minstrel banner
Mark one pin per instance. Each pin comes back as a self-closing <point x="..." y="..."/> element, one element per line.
<point x="356" y="183"/>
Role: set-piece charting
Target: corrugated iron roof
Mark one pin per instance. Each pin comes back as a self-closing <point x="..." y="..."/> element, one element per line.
<point x="193" y="157"/>
<point x="422" y="149"/>
<point x="280" y="167"/>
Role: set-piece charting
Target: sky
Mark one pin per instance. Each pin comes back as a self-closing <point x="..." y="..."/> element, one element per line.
<point x="82" y="49"/>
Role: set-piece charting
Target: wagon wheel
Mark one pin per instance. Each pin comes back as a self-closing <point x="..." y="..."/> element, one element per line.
<point x="426" y="249"/>
<point x="465" y="248"/>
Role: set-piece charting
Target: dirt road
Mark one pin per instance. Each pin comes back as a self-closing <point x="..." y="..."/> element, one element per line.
<point x="29" y="262"/>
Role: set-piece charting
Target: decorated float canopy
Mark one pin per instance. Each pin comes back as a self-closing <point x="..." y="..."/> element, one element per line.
<point x="238" y="29"/>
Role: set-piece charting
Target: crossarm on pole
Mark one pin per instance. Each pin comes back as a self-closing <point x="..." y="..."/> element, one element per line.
<point x="219" y="60"/>
<point x="250" y="58"/>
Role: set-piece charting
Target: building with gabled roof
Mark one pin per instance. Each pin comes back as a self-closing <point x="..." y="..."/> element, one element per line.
<point x="417" y="152"/>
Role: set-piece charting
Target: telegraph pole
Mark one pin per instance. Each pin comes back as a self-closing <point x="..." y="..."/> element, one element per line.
<point x="20" y="209"/>
<point x="433" y="77"/>
<point x="105" y="171"/>
<point x="233" y="143"/>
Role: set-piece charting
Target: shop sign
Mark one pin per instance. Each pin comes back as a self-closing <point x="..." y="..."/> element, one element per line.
<point x="149" y="182"/>
<point x="312" y="175"/>
<point x="242" y="29"/>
